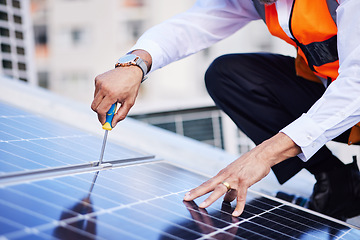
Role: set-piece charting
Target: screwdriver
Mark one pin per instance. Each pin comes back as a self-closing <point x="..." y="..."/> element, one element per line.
<point x="107" y="127"/>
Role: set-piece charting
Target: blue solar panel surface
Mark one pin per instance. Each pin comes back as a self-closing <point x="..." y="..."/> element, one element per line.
<point x="29" y="142"/>
<point x="137" y="201"/>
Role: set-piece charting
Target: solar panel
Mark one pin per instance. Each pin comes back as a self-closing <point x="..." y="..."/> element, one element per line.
<point x="30" y="142"/>
<point x="128" y="198"/>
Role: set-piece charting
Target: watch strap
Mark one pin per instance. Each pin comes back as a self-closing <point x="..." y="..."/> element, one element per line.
<point x="133" y="60"/>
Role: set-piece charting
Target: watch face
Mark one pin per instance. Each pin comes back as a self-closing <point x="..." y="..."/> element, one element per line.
<point x="127" y="58"/>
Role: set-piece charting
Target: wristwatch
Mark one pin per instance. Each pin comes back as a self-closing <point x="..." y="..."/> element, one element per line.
<point x="132" y="60"/>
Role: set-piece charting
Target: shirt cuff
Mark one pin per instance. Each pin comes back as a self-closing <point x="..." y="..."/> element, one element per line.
<point x="153" y="49"/>
<point x="307" y="135"/>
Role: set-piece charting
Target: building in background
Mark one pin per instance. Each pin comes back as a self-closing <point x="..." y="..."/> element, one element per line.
<point x="77" y="40"/>
<point x="16" y="38"/>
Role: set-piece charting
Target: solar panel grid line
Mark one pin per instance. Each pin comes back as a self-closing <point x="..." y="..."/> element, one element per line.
<point x="37" y="153"/>
<point x="10" y="222"/>
<point x="18" y="116"/>
<point x="246" y="220"/>
<point x="24" y="210"/>
<point x="307" y="225"/>
<point x="285" y="218"/>
<point x="149" y="227"/>
<point x="168" y="222"/>
<point x="17" y="126"/>
<point x="322" y="216"/>
<point x="35" y="123"/>
<point x="43" y="202"/>
<point x="56" y="151"/>
<point x="43" y="138"/>
<point x="80" y="151"/>
<point x="165" y="173"/>
<point x="138" y="201"/>
<point x="16" y="156"/>
<point x="81" y="232"/>
<point x="179" y="180"/>
<point x="129" y="234"/>
<point x="344" y="234"/>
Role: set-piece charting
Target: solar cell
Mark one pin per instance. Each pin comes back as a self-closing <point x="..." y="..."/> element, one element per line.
<point x="129" y="199"/>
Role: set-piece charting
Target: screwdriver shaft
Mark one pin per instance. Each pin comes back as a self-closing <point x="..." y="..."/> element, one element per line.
<point x="103" y="147"/>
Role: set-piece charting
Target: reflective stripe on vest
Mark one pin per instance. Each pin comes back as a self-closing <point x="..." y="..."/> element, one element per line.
<point x="313" y="26"/>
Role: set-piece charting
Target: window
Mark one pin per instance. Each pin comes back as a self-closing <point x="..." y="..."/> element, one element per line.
<point x="4" y="32"/>
<point x="135" y="29"/>
<point x="7" y="64"/>
<point x="43" y="79"/>
<point x="21" y="66"/>
<point x="16" y="4"/>
<point x="3" y="2"/>
<point x="40" y="34"/>
<point x="17" y="19"/>
<point x="20" y="50"/>
<point x="5" y="48"/>
<point x="3" y="16"/>
<point x="77" y="36"/>
<point x="19" y="35"/>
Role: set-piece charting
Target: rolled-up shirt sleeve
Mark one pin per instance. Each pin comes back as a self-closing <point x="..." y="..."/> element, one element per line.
<point x="339" y="108"/>
<point x="206" y="23"/>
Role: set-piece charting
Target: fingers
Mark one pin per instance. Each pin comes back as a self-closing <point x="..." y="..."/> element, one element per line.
<point x="103" y="108"/>
<point x="121" y="113"/>
<point x="219" y="190"/>
<point x="117" y="85"/>
<point x="240" y="203"/>
<point x="230" y="195"/>
<point x="203" y="189"/>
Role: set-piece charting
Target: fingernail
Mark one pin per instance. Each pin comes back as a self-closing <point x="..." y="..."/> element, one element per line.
<point x="202" y="205"/>
<point x="236" y="214"/>
<point x="187" y="196"/>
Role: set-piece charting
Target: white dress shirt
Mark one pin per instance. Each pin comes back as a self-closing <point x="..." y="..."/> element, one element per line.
<point x="209" y="21"/>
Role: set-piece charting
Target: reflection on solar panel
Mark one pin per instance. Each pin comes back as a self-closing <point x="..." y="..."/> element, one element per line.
<point x="132" y="199"/>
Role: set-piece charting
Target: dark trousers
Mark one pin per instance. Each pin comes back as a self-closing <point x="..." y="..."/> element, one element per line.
<point x="262" y="94"/>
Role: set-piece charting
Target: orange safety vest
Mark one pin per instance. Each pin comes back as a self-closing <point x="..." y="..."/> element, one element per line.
<point x="314" y="31"/>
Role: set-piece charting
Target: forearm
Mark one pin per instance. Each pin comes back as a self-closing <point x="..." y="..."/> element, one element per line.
<point x="276" y="149"/>
<point x="198" y="28"/>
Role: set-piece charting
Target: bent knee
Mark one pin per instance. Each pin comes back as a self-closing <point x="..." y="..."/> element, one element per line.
<point x="217" y="72"/>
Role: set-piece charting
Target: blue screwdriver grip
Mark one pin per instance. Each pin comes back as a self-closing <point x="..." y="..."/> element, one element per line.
<point x="109" y="117"/>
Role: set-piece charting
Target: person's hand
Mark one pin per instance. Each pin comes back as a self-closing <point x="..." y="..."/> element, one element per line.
<point x="237" y="177"/>
<point x="119" y="85"/>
